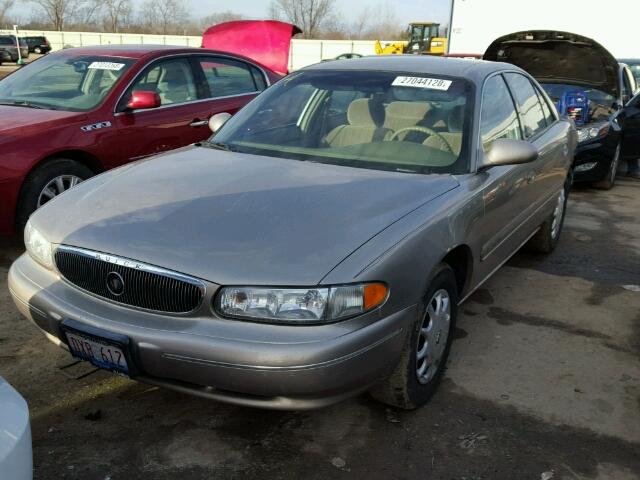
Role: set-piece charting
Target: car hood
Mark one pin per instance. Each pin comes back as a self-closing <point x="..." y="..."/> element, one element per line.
<point x="265" y="41"/>
<point x="14" y="120"/>
<point x="233" y="218"/>
<point x="558" y="57"/>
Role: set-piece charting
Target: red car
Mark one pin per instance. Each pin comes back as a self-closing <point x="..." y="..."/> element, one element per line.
<point x="78" y="112"/>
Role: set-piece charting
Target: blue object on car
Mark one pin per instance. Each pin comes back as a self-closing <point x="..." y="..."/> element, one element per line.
<point x="575" y="104"/>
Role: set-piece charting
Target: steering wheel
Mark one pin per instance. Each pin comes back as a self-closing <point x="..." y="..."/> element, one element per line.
<point x="428" y="131"/>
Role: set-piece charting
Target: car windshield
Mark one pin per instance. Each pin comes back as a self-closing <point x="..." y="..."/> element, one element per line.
<point x="556" y="90"/>
<point x="409" y="122"/>
<point x="635" y="69"/>
<point x="62" y="82"/>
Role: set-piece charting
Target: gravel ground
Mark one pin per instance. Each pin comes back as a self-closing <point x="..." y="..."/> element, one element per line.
<point x="543" y="382"/>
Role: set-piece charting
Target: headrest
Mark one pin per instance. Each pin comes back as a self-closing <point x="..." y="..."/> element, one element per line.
<point x="409" y="110"/>
<point x="363" y="112"/>
<point x="456" y="119"/>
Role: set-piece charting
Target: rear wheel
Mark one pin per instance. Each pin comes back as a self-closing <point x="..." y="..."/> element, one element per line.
<point x="546" y="240"/>
<point x="424" y="356"/>
<point x="47" y="182"/>
<point x="609" y="181"/>
<point x="37" y="50"/>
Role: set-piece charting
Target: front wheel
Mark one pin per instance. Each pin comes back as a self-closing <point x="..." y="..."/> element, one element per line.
<point x="424" y="356"/>
<point x="47" y="182"/>
<point x="609" y="181"/>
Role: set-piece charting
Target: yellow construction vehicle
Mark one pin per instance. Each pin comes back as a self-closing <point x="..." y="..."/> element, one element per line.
<point x="424" y="38"/>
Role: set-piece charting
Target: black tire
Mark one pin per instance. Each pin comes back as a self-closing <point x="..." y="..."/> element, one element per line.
<point x="546" y="239"/>
<point x="402" y="389"/>
<point x="39" y="178"/>
<point x="609" y="180"/>
<point x="37" y="50"/>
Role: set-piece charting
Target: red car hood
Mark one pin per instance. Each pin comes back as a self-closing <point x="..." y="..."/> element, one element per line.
<point x="266" y="41"/>
<point x="15" y="121"/>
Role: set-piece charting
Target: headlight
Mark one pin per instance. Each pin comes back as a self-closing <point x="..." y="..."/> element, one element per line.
<point x="38" y="246"/>
<point x="299" y="305"/>
<point x="591" y="133"/>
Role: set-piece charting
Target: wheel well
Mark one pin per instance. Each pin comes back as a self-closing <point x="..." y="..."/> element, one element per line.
<point x="88" y="160"/>
<point x="460" y="259"/>
<point x="85" y="158"/>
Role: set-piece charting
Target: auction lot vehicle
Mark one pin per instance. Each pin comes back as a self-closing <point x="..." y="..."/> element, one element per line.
<point x="587" y="84"/>
<point x="317" y="246"/>
<point x="9" y="45"/>
<point x="16" y="457"/>
<point x="78" y="112"/>
<point x="38" y="45"/>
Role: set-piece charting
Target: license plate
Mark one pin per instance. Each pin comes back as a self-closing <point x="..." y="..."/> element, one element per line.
<point x="97" y="351"/>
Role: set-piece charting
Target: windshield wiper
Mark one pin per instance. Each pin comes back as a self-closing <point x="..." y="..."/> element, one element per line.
<point x="218" y="146"/>
<point x="21" y="103"/>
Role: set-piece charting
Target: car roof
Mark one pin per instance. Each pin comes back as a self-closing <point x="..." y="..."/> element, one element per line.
<point x="138" y="52"/>
<point x="130" y="51"/>
<point x="474" y="70"/>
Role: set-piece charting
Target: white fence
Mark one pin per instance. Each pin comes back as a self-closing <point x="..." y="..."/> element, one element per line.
<point x="303" y="52"/>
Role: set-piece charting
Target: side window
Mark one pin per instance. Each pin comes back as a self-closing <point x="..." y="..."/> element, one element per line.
<point x="498" y="117"/>
<point x="171" y="79"/>
<point x="531" y="114"/>
<point x="549" y="116"/>
<point x="628" y="85"/>
<point x="226" y="77"/>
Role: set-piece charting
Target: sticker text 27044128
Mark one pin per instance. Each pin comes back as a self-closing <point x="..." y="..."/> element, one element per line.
<point x="422" y="82"/>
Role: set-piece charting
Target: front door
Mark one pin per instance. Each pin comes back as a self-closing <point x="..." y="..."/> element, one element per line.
<point x="142" y="133"/>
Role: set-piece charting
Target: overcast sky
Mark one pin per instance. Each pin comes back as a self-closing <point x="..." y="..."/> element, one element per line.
<point x="407" y="10"/>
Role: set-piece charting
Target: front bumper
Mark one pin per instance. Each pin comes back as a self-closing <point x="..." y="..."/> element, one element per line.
<point x="260" y="365"/>
<point x="601" y="152"/>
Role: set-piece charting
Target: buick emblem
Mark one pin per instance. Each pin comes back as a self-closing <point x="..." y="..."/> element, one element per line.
<point x="115" y="283"/>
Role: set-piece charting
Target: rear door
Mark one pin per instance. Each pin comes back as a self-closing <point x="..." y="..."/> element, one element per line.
<point x="539" y="126"/>
<point x="227" y="83"/>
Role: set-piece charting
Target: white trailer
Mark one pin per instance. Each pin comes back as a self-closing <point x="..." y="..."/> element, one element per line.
<point x="477" y="23"/>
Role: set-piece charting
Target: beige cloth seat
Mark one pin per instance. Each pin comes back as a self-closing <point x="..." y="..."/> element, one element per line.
<point x="176" y="84"/>
<point x="453" y="137"/>
<point x="364" y="119"/>
<point x="401" y="114"/>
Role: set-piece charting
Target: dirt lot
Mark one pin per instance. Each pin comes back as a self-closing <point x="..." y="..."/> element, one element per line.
<point x="544" y="382"/>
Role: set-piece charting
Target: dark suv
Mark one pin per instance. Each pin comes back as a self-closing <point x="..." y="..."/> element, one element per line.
<point x="38" y="44"/>
<point x="9" y="48"/>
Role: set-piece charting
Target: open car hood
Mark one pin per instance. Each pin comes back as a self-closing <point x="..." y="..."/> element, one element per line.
<point x="266" y="41"/>
<point x="558" y="57"/>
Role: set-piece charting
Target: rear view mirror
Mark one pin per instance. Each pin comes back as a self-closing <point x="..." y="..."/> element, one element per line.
<point x="218" y="120"/>
<point x="505" y="151"/>
<point x="143" y="99"/>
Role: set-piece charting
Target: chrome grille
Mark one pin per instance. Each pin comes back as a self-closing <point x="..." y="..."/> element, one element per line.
<point x="145" y="286"/>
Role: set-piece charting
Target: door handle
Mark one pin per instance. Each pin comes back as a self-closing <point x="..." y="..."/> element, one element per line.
<point x="199" y="123"/>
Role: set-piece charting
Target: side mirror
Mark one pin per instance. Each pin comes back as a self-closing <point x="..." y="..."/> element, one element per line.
<point x="505" y="151"/>
<point x="143" y="100"/>
<point x="218" y="120"/>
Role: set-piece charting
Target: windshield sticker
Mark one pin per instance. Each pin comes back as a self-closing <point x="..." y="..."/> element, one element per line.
<point x="421" y="82"/>
<point x="106" y="66"/>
